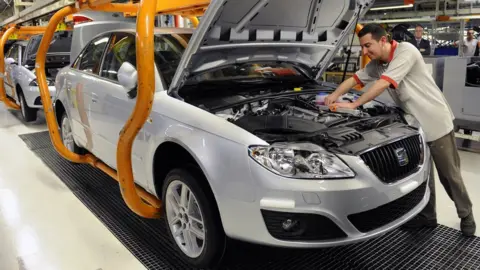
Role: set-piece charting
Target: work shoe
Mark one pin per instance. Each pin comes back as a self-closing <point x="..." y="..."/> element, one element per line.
<point x="468" y="226"/>
<point x="419" y="222"/>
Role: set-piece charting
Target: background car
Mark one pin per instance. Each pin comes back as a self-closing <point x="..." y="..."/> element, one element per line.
<point x="21" y="81"/>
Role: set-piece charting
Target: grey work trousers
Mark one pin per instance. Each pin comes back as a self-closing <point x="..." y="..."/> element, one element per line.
<point x="447" y="161"/>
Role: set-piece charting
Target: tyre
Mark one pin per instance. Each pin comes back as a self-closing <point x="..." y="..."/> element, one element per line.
<point x="28" y="114"/>
<point x="192" y="218"/>
<point x="66" y="134"/>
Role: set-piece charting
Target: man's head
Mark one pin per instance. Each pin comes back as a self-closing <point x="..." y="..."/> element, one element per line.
<point x="470" y="34"/>
<point x="374" y="42"/>
<point x="418" y="32"/>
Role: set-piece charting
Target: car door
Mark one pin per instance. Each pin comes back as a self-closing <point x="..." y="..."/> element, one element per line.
<point x="80" y="84"/>
<point x="10" y="69"/>
<point x="115" y="107"/>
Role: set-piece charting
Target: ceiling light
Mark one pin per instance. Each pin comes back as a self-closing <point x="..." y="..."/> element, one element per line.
<point x="392" y="7"/>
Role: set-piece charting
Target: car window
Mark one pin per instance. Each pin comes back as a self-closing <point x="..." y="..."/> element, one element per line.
<point x="168" y="53"/>
<point x="168" y="50"/>
<point x="121" y="49"/>
<point x="13" y="53"/>
<point x="90" y="58"/>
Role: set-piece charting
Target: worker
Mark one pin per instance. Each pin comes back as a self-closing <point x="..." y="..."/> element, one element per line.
<point x="470" y="44"/>
<point x="419" y="42"/>
<point x="400" y="68"/>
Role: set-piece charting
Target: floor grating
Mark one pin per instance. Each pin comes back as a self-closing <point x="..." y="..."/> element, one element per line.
<point x="439" y="248"/>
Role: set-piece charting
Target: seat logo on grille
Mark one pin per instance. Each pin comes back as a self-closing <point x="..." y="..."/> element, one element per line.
<point x="402" y="156"/>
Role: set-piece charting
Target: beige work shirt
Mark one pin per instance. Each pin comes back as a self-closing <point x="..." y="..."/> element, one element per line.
<point x="413" y="88"/>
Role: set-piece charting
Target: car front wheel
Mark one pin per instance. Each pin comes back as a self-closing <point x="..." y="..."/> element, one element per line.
<point x="192" y="218"/>
<point x="28" y="114"/>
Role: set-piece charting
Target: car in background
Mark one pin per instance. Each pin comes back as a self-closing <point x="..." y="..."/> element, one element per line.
<point x="21" y="82"/>
<point x="236" y="144"/>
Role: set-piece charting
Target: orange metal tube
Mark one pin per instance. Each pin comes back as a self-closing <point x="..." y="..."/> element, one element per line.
<point x="143" y="107"/>
<point x="114" y="7"/>
<point x="152" y="200"/>
<point x="129" y="192"/>
<point x="3" y="95"/>
<point x="33" y="28"/>
<point x="45" y="94"/>
<point x="194" y="21"/>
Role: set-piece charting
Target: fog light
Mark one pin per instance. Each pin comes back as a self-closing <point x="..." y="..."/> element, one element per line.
<point x="289" y="225"/>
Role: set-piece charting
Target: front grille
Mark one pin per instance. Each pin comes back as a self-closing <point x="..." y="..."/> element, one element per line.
<point x="381" y="216"/>
<point x="385" y="161"/>
<point x="308" y="226"/>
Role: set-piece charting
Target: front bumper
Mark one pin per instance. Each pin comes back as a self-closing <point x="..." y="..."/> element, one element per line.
<point x="330" y="212"/>
<point x="32" y="96"/>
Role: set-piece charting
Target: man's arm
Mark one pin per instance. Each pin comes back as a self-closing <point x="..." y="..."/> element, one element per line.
<point x="398" y="68"/>
<point x="361" y="78"/>
<point x="374" y="91"/>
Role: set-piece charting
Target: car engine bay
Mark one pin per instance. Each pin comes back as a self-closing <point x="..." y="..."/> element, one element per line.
<point x="290" y="116"/>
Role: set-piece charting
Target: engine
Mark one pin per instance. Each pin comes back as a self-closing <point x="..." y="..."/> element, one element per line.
<point x="262" y="109"/>
<point x="300" y="114"/>
<point x="296" y="117"/>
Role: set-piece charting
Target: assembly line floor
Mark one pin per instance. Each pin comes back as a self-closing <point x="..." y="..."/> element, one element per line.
<point x="45" y="224"/>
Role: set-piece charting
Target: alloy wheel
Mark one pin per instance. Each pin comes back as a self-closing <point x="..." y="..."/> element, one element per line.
<point x="67" y="135"/>
<point x="22" y="107"/>
<point x="185" y="219"/>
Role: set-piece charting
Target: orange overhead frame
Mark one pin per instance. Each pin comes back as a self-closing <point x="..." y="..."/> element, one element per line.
<point x="194" y="20"/>
<point x="186" y="8"/>
<point x="137" y="199"/>
<point x="143" y="106"/>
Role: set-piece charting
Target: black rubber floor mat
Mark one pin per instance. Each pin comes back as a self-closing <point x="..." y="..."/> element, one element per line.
<point x="440" y="248"/>
<point x="37" y="140"/>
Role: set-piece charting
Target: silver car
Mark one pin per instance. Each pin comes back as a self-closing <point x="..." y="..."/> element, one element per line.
<point x="238" y="143"/>
<point x="21" y="81"/>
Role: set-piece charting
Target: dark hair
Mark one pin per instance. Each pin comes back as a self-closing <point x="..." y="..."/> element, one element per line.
<point x="375" y="29"/>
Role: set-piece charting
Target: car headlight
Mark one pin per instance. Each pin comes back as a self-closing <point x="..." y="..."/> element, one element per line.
<point x="300" y="160"/>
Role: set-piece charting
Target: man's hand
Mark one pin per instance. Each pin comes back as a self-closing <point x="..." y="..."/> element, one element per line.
<point x="341" y="90"/>
<point x="330" y="99"/>
<point x="349" y="105"/>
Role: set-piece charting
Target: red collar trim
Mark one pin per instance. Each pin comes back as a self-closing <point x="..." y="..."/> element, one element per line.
<point x="392" y="51"/>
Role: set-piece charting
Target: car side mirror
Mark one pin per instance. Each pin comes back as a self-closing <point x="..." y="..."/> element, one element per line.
<point x="10" y="61"/>
<point x="127" y="76"/>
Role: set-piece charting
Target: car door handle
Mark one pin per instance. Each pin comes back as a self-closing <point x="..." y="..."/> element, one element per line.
<point x="94" y="98"/>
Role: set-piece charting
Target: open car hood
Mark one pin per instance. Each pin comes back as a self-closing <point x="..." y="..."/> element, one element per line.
<point x="305" y="32"/>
